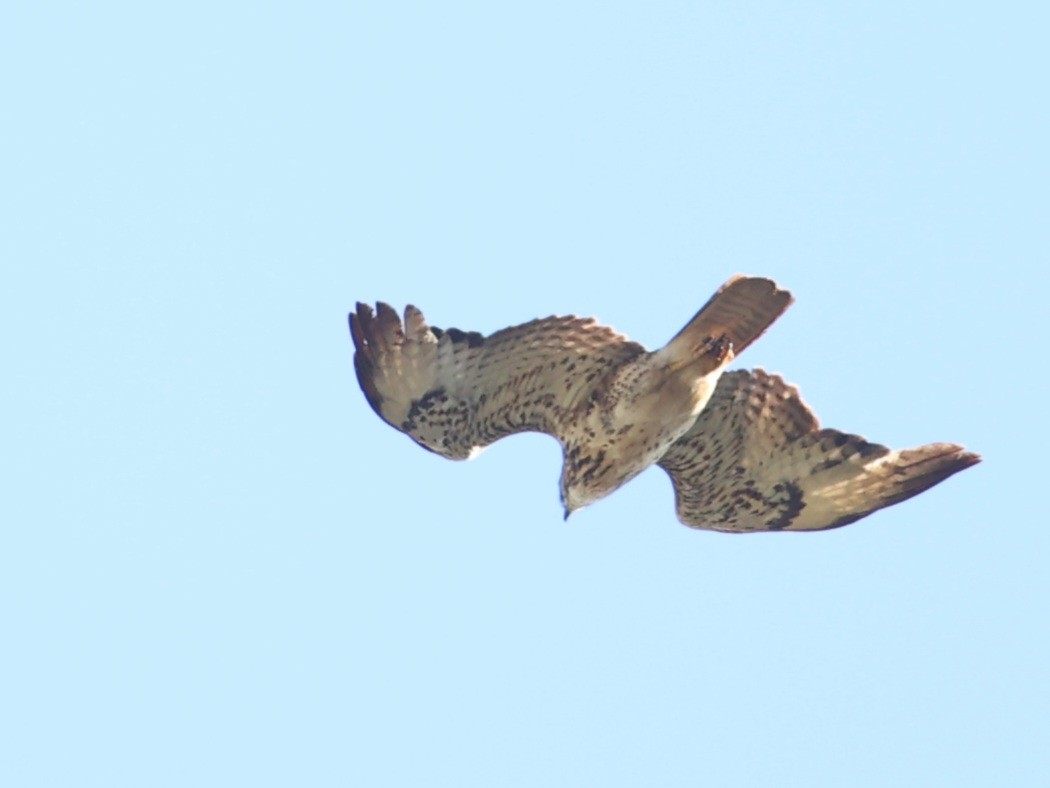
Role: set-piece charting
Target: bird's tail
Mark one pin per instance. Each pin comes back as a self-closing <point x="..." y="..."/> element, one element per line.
<point x="737" y="315"/>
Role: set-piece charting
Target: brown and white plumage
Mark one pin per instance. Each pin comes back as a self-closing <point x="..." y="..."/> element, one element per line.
<point x="455" y="392"/>
<point x="742" y="449"/>
<point x="757" y="460"/>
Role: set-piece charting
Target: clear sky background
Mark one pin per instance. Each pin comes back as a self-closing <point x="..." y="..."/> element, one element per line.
<point x="220" y="568"/>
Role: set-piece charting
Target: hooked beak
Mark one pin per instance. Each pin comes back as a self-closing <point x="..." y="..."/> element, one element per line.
<point x="568" y="511"/>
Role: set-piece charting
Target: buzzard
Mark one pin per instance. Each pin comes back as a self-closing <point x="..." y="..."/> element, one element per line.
<point x="742" y="449"/>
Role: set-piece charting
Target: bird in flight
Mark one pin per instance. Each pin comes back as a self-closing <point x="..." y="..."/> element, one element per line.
<point x="742" y="449"/>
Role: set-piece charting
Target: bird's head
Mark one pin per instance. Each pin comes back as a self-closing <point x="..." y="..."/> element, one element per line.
<point x="569" y="503"/>
<point x="585" y="479"/>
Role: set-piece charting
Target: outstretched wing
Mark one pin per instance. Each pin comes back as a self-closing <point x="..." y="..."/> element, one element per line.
<point x="757" y="460"/>
<point x="454" y="392"/>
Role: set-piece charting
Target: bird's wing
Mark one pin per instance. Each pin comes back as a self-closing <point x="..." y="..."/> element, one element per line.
<point x="757" y="460"/>
<point x="454" y="392"/>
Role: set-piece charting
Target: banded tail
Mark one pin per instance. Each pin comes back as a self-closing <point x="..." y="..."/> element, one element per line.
<point x="734" y="317"/>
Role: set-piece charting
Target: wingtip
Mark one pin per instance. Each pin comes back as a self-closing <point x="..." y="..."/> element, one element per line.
<point x="385" y="311"/>
<point x="357" y="330"/>
<point x="363" y="335"/>
<point x="963" y="460"/>
<point x="947" y="453"/>
<point x="927" y="466"/>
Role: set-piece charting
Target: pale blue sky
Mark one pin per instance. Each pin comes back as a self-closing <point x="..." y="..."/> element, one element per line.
<point x="220" y="568"/>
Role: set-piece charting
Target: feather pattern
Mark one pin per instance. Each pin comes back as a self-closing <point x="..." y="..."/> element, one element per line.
<point x="454" y="392"/>
<point x="757" y="460"/>
<point x="743" y="450"/>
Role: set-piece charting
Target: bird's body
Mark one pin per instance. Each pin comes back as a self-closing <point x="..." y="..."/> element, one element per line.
<point x="752" y="459"/>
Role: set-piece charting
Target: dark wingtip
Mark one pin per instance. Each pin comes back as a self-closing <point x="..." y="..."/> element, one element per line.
<point x="928" y="466"/>
<point x="365" y="377"/>
<point x="360" y="326"/>
<point x="356" y="333"/>
<point x="960" y="462"/>
<point x="386" y="314"/>
<point x="950" y="455"/>
<point x="364" y="311"/>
